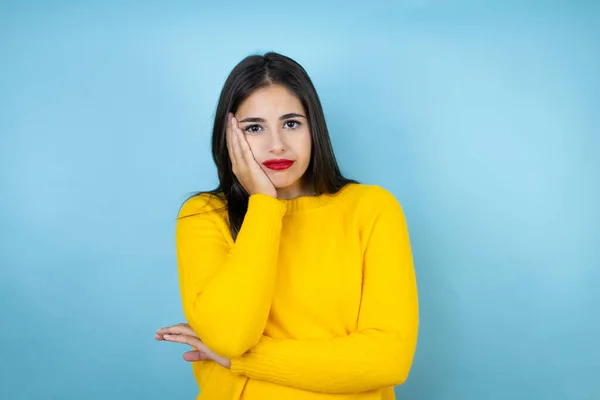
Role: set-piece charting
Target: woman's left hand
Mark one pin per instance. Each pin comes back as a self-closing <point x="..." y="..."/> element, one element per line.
<point x="183" y="333"/>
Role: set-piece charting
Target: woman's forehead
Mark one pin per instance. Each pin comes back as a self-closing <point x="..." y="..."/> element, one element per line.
<point x="270" y="102"/>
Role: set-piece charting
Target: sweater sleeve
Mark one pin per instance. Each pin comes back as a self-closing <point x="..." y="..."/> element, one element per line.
<point x="380" y="353"/>
<point x="227" y="288"/>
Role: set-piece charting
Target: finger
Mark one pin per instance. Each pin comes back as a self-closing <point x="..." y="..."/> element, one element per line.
<point x="176" y="331"/>
<point x="238" y="154"/>
<point x="233" y="150"/>
<point x="171" y="326"/>
<point x="245" y="150"/>
<point x="186" y="339"/>
<point x="179" y="329"/>
<point x="229" y="132"/>
<point x="159" y="336"/>
<point x="194" y="355"/>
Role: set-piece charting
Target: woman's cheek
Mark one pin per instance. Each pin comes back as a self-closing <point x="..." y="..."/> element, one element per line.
<point x="307" y="145"/>
<point x="254" y="146"/>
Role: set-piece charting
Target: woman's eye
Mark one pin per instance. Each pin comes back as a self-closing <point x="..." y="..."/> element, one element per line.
<point x="292" y="124"/>
<point x="252" y="128"/>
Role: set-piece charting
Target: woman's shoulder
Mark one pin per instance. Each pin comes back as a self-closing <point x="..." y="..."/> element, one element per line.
<point x="374" y="204"/>
<point x="370" y="202"/>
<point x="201" y="203"/>
<point x="370" y="196"/>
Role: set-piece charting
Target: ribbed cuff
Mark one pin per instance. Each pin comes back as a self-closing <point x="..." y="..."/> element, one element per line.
<point x="258" y="365"/>
<point x="237" y="366"/>
<point x="262" y="222"/>
<point x="265" y="204"/>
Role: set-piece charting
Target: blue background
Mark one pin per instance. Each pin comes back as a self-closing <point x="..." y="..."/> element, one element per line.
<point x="481" y="117"/>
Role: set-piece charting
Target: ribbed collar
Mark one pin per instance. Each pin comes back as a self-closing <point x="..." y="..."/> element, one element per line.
<point x="306" y="203"/>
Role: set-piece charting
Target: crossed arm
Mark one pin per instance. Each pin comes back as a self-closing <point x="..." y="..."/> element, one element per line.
<point x="378" y="354"/>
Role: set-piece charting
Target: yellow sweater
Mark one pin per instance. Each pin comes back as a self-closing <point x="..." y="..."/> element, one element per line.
<point x="316" y="299"/>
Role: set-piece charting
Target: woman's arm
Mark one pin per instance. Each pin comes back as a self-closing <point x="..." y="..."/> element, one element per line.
<point x="380" y="352"/>
<point x="227" y="291"/>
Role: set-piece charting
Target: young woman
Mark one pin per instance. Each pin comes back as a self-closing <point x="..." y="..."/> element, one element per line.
<point x="296" y="282"/>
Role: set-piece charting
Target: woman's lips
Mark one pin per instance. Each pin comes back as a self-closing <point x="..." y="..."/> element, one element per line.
<point x="279" y="164"/>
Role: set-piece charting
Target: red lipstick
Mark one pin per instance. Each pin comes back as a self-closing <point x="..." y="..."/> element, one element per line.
<point x="278" y="165"/>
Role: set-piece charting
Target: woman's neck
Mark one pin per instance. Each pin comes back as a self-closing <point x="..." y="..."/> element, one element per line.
<point x="295" y="190"/>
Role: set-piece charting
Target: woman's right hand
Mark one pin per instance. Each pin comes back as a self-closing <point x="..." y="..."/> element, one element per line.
<point x="245" y="167"/>
<point x="183" y="333"/>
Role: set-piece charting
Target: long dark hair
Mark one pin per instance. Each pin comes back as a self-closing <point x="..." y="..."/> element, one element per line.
<point x="252" y="73"/>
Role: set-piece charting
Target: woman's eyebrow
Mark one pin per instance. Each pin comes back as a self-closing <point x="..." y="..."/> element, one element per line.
<point x="284" y="116"/>
<point x="291" y="115"/>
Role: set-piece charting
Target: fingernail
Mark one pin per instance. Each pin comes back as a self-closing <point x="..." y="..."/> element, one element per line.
<point x="166" y="336"/>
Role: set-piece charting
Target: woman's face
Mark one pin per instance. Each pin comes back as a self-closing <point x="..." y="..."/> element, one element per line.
<point x="275" y="125"/>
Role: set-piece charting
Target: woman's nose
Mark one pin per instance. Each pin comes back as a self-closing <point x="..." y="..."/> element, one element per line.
<point x="277" y="145"/>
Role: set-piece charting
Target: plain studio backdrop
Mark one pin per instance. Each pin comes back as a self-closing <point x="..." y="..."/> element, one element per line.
<point x="481" y="117"/>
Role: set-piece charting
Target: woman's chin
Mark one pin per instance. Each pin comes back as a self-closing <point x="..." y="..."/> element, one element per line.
<point x="283" y="183"/>
<point x="280" y="179"/>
